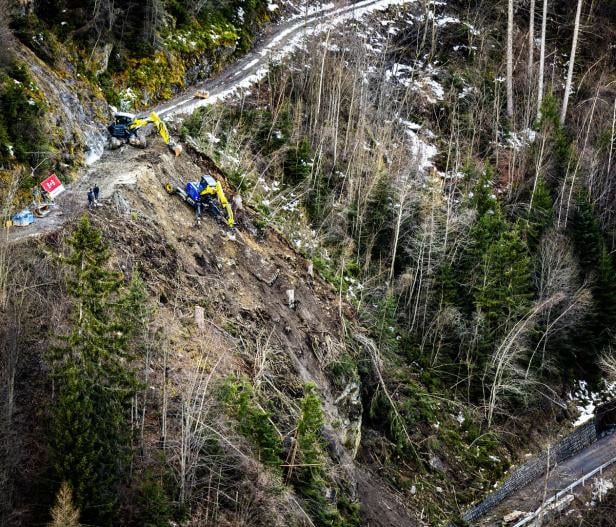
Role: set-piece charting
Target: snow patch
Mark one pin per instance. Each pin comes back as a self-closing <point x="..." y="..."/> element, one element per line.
<point x="600" y="488"/>
<point x="520" y="140"/>
<point x="212" y="138"/>
<point x="586" y="400"/>
<point x="307" y="11"/>
<point x="423" y="152"/>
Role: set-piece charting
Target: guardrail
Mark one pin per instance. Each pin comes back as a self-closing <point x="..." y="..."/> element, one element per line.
<point x="566" y="448"/>
<point x="564" y="492"/>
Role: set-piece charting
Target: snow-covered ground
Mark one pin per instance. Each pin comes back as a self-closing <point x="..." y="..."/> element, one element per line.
<point x="586" y="400"/>
<point x="600" y="488"/>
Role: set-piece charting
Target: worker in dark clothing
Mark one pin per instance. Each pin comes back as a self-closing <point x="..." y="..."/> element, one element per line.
<point x="90" y="199"/>
<point x="96" y="190"/>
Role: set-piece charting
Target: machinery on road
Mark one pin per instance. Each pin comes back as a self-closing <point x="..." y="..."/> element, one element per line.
<point x="126" y="126"/>
<point x="206" y="195"/>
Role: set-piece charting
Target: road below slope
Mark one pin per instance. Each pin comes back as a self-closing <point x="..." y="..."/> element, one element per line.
<point x="529" y="498"/>
<point x="279" y="41"/>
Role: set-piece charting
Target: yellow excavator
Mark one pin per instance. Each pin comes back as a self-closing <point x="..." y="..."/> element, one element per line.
<point x="126" y="126"/>
<point x="206" y="195"/>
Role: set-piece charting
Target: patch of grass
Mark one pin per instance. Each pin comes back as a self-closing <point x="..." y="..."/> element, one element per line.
<point x="23" y="139"/>
<point x="34" y="34"/>
<point x="342" y="370"/>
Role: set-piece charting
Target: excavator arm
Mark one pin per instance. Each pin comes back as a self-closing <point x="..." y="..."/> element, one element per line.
<point x="161" y="128"/>
<point x="226" y="205"/>
<point x="220" y="194"/>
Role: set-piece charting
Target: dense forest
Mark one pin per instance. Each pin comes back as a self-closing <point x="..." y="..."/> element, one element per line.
<point x="443" y="170"/>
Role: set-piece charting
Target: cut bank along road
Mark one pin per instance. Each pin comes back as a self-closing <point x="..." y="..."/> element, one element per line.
<point x="279" y="41"/>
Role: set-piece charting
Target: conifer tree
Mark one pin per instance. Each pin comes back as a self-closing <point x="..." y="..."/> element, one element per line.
<point x="64" y="512"/>
<point x="541" y="215"/>
<point x="89" y="440"/>
<point x="495" y="271"/>
<point x="310" y="479"/>
<point x="308" y="430"/>
<point x="596" y="330"/>
<point x="586" y="233"/>
<point x="604" y="292"/>
<point x="254" y="422"/>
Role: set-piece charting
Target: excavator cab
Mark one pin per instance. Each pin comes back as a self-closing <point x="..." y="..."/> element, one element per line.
<point x="208" y="181"/>
<point x="120" y="127"/>
<point x="206" y="195"/>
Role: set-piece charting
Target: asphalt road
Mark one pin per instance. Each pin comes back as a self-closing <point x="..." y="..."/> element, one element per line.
<point x="529" y="498"/>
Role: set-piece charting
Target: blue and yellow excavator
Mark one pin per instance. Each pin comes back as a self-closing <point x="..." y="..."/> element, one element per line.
<point x="126" y="126"/>
<point x="206" y="195"/>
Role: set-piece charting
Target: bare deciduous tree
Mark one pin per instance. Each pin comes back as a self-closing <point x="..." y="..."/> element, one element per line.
<point x="608" y="364"/>
<point x="544" y="18"/>
<point x="509" y="79"/>
<point x="576" y="30"/>
<point x="557" y="277"/>
<point x="504" y="373"/>
<point x="531" y="41"/>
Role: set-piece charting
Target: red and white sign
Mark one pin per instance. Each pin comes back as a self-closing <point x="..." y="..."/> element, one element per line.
<point x="53" y="186"/>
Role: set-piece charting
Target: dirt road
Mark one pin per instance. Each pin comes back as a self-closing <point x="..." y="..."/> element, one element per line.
<point x="529" y="498"/>
<point x="115" y="168"/>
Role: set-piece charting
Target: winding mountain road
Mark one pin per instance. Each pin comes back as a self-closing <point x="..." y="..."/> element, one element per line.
<point x="278" y="41"/>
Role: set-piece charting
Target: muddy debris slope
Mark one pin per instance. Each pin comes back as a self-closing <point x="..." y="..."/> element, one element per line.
<point x="251" y="305"/>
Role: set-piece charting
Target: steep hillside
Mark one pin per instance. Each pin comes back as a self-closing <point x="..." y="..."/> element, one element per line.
<point x="419" y="294"/>
<point x="249" y="329"/>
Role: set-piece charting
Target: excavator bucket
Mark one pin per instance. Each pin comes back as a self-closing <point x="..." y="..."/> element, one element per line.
<point x="138" y="141"/>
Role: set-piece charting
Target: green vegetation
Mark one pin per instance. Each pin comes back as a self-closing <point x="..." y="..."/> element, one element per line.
<point x="153" y="504"/>
<point x="308" y="472"/>
<point x="253" y="421"/>
<point x="145" y="52"/>
<point x="305" y="464"/>
<point x="89" y="438"/>
<point x="22" y="107"/>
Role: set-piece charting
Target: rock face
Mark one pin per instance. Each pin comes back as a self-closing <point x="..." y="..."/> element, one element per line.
<point x="74" y="112"/>
<point x="114" y="143"/>
<point x="513" y="516"/>
<point x="100" y="58"/>
<point x="202" y="67"/>
<point x="138" y="141"/>
<point x="350" y="402"/>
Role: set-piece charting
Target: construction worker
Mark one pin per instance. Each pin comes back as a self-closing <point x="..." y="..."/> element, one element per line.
<point x="96" y="191"/>
<point x="36" y="195"/>
<point x="90" y="199"/>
